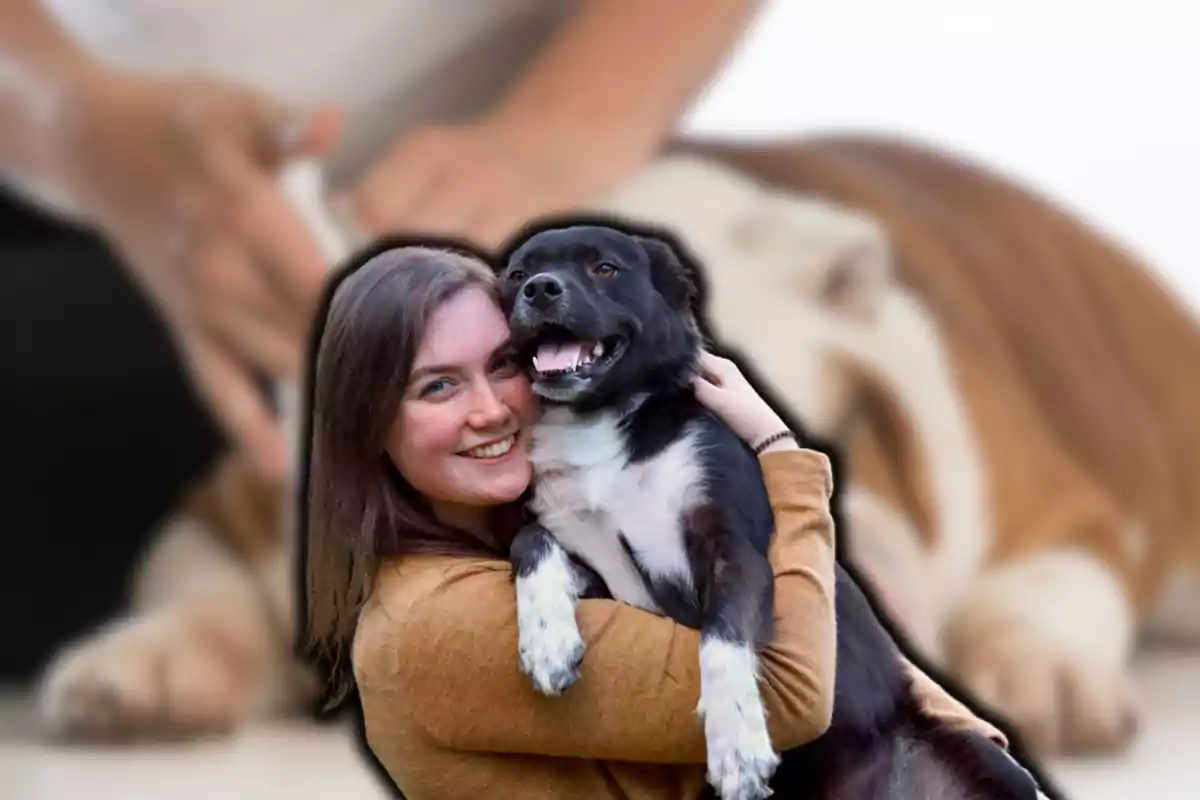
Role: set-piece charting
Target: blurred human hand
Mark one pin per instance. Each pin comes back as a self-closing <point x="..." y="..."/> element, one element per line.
<point x="483" y="181"/>
<point x="180" y="173"/>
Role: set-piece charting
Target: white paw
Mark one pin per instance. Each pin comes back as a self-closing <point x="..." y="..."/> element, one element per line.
<point x="163" y="676"/>
<point x="741" y="760"/>
<point x="1044" y="644"/>
<point x="740" y="769"/>
<point x="551" y="647"/>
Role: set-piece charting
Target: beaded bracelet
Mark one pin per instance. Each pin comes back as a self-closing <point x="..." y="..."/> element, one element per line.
<point x="772" y="439"/>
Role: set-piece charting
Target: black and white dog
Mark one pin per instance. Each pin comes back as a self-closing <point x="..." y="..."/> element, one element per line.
<point x="641" y="494"/>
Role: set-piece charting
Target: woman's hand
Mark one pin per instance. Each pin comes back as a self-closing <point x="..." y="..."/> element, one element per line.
<point x="723" y="389"/>
<point x="180" y="174"/>
<point x="594" y="105"/>
<point x="482" y="181"/>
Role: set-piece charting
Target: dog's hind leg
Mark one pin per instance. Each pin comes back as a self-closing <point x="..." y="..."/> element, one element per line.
<point x="549" y="582"/>
<point x="948" y="762"/>
<point x="737" y="612"/>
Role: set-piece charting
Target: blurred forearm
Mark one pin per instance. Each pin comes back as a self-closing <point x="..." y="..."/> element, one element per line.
<point x="38" y="65"/>
<point x="623" y="71"/>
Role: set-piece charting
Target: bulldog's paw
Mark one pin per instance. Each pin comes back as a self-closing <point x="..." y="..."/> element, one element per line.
<point x="173" y="674"/>
<point x="1045" y="644"/>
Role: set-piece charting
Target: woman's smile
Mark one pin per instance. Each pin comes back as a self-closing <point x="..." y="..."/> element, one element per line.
<point x="493" y="451"/>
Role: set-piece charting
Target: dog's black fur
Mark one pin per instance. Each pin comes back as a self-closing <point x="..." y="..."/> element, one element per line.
<point x="880" y="744"/>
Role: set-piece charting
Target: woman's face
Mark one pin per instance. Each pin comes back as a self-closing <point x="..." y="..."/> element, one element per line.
<point x="460" y="435"/>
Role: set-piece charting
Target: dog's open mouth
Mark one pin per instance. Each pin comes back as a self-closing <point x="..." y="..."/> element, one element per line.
<point x="557" y="354"/>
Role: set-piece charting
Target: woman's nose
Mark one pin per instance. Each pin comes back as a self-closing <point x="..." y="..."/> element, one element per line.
<point x="487" y="410"/>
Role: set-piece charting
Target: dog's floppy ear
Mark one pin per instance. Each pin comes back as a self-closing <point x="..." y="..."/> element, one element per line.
<point x="668" y="273"/>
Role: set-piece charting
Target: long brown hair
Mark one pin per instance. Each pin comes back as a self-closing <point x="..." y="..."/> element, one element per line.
<point x="359" y="508"/>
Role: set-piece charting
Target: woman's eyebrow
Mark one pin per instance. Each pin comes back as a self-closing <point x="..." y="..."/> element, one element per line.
<point x="432" y="369"/>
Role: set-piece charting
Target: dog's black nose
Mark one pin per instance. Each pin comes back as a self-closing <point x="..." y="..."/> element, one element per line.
<point x="542" y="290"/>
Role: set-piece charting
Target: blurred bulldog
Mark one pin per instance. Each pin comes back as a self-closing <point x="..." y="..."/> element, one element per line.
<point x="920" y="314"/>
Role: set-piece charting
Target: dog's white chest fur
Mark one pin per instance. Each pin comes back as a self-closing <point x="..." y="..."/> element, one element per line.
<point x="588" y="496"/>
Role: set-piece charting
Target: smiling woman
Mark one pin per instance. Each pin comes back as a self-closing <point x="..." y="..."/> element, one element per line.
<point x="413" y="377"/>
<point x="466" y="404"/>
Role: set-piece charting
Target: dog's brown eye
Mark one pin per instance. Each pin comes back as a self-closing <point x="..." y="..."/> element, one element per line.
<point x="516" y="275"/>
<point x="605" y="270"/>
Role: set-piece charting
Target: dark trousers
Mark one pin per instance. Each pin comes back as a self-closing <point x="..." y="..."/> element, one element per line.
<point x="100" y="432"/>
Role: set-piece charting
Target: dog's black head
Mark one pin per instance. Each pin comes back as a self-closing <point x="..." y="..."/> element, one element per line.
<point x="600" y="314"/>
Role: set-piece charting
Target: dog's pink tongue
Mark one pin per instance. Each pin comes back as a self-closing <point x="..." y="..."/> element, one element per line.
<point x="558" y="356"/>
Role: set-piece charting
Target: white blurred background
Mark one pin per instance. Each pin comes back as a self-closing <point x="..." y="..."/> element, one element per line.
<point x="1096" y="103"/>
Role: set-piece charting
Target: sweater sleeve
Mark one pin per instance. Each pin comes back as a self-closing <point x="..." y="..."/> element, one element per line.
<point x="941" y="704"/>
<point x="447" y="664"/>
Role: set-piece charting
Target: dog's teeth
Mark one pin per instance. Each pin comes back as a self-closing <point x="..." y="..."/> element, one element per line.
<point x="535" y="364"/>
<point x="598" y="350"/>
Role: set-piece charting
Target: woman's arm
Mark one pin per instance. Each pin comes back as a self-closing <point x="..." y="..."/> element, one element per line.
<point x="446" y="663"/>
<point x="618" y="75"/>
<point x="38" y="62"/>
<point x="590" y="109"/>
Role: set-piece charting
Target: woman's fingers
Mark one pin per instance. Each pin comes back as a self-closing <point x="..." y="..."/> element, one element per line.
<point x="706" y="366"/>
<point x="234" y="302"/>
<point x="236" y="402"/>
<point x="703" y="388"/>
<point x="709" y="384"/>
<point x="254" y="340"/>
<point x="280" y="244"/>
<point x="716" y="369"/>
<point x="224" y="273"/>
<point x="723" y="389"/>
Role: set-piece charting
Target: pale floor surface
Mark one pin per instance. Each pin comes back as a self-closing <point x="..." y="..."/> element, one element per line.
<point x="298" y="762"/>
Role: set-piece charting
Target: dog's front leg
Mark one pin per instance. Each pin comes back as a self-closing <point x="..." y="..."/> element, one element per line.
<point x="548" y="585"/>
<point x="737" y="609"/>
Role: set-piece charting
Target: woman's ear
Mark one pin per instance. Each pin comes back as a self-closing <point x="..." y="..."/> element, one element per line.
<point x="670" y="276"/>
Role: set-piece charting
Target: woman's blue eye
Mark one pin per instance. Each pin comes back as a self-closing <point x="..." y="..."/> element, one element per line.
<point x="433" y="387"/>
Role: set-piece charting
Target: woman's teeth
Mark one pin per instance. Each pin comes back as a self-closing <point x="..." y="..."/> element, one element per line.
<point x="493" y="450"/>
